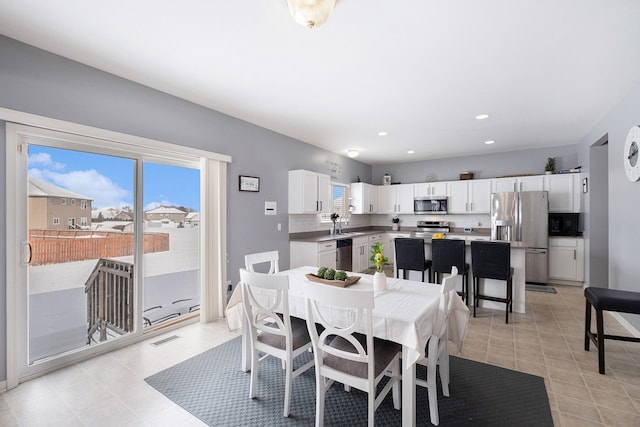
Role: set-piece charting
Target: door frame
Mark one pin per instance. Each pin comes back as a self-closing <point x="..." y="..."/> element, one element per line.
<point x="213" y="248"/>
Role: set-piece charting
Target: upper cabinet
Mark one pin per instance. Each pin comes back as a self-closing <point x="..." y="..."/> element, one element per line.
<point x="395" y="199"/>
<point x="430" y="189"/>
<point x="364" y="198"/>
<point x="467" y="196"/>
<point x="523" y="183"/>
<point x="308" y="192"/>
<point x="564" y="192"/>
<point x="472" y="196"/>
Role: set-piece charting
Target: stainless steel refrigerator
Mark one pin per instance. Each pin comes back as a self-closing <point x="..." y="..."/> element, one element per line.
<point x="523" y="217"/>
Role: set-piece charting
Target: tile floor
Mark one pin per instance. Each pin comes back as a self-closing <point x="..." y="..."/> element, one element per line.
<point x="547" y="341"/>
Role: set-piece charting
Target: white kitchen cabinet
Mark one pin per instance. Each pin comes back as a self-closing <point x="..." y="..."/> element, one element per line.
<point x="360" y="254"/>
<point x="522" y="183"/>
<point x="395" y="199"/>
<point x="565" y="191"/>
<point x="308" y="192"/>
<point x="470" y="196"/>
<point x="430" y="189"/>
<point x="390" y="247"/>
<point x="566" y="259"/>
<point x="364" y="198"/>
<point x="317" y="254"/>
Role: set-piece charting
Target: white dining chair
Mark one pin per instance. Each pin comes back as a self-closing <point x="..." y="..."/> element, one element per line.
<point x="272" y="257"/>
<point x="437" y="350"/>
<point x="342" y="355"/>
<point x="272" y="331"/>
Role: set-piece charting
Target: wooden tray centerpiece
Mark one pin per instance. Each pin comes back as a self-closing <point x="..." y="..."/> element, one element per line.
<point x="350" y="280"/>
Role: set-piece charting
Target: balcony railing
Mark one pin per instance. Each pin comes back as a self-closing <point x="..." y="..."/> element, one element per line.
<point x="110" y="291"/>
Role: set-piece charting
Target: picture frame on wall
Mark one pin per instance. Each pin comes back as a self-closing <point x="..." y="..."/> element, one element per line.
<point x="249" y="183"/>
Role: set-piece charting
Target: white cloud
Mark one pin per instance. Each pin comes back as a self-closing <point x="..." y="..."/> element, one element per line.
<point x="100" y="188"/>
<point x="44" y="159"/>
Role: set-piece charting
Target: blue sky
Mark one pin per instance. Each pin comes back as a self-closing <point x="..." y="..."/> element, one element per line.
<point x="108" y="180"/>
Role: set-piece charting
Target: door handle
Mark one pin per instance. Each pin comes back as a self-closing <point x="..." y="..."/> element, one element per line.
<point x="28" y="252"/>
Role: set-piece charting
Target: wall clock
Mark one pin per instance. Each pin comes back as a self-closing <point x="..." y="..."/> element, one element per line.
<point x="631" y="160"/>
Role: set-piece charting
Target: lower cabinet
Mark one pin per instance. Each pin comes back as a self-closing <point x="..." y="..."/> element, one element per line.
<point x="360" y="254"/>
<point x="320" y="254"/>
<point x="566" y="259"/>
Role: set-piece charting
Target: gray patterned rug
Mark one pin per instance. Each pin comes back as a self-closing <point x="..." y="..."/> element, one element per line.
<point x="211" y="387"/>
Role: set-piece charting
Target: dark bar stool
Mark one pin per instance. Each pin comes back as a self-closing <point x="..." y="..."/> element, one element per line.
<point x="447" y="253"/>
<point x="492" y="260"/>
<point x="410" y="256"/>
<point x="603" y="299"/>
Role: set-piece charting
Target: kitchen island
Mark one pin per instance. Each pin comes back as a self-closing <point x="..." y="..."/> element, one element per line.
<point x="495" y="287"/>
<point x="306" y="248"/>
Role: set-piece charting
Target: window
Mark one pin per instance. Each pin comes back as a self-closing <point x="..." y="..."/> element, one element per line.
<point x="72" y="223"/>
<point x="63" y="201"/>
<point x="56" y="221"/>
<point x="339" y="202"/>
<point x="83" y="221"/>
<point x="73" y="202"/>
<point x="83" y="204"/>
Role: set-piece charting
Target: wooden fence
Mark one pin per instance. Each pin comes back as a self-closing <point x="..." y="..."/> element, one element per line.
<point x="109" y="291"/>
<point x="60" y="246"/>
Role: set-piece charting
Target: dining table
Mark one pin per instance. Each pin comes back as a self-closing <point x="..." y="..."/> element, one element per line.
<point x="405" y="312"/>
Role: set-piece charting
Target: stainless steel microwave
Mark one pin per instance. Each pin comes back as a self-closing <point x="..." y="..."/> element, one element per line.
<point x="430" y="205"/>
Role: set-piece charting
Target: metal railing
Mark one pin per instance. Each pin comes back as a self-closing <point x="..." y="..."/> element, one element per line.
<point x="110" y="303"/>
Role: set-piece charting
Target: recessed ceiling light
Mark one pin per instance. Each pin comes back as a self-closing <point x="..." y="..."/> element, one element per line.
<point x="353" y="153"/>
<point x="489" y="142"/>
<point x="382" y="133"/>
<point x="411" y="152"/>
<point x="482" y="116"/>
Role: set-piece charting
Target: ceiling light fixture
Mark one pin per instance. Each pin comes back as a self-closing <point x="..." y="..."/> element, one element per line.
<point x="353" y="153"/>
<point x="411" y="152"/>
<point x="311" y="13"/>
<point x="482" y="116"/>
<point x="489" y="142"/>
<point x="382" y="133"/>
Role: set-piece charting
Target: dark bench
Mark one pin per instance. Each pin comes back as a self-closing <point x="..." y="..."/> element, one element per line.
<point x="607" y="300"/>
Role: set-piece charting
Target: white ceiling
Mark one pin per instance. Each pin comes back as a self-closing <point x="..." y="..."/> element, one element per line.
<point x="545" y="70"/>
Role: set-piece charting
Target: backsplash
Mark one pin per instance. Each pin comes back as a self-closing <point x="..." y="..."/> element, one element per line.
<point x="304" y="223"/>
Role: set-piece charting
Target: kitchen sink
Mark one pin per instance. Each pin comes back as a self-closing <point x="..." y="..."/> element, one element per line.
<point x="350" y="234"/>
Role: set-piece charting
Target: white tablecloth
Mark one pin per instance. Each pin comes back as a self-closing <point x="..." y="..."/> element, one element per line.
<point x="405" y="313"/>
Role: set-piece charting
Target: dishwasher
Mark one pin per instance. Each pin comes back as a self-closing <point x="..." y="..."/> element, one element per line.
<point x="344" y="254"/>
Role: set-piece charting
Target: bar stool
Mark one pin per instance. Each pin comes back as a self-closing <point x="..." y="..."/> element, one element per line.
<point x="492" y="260"/>
<point x="447" y="253"/>
<point x="410" y="256"/>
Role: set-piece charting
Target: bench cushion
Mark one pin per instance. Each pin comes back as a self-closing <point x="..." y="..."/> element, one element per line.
<point x="613" y="300"/>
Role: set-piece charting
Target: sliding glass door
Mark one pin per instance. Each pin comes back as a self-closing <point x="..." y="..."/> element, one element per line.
<point x="97" y="263"/>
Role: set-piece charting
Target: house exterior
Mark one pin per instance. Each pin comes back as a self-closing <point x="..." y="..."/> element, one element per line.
<point x="55" y="208"/>
<point x="164" y="213"/>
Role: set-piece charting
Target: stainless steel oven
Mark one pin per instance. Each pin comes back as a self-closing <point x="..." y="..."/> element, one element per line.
<point x="430" y="205"/>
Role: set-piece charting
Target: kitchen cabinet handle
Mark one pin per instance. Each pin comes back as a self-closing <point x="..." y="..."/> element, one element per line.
<point x="471" y="206"/>
<point x="320" y="205"/>
<point x="574" y="254"/>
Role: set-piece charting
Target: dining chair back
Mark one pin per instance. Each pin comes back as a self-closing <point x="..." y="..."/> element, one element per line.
<point x="272" y="331"/>
<point x="447" y="253"/>
<point x="492" y="260"/>
<point x="271" y="257"/>
<point x="343" y="355"/>
<point x="437" y="351"/>
<point x="410" y="256"/>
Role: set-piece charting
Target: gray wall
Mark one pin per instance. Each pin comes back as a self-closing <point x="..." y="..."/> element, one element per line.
<point x="483" y="166"/>
<point x="38" y="82"/>
<point x="624" y="197"/>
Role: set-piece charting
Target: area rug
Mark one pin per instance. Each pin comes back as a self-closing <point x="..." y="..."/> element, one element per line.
<point x="211" y="387"/>
<point x="540" y="288"/>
